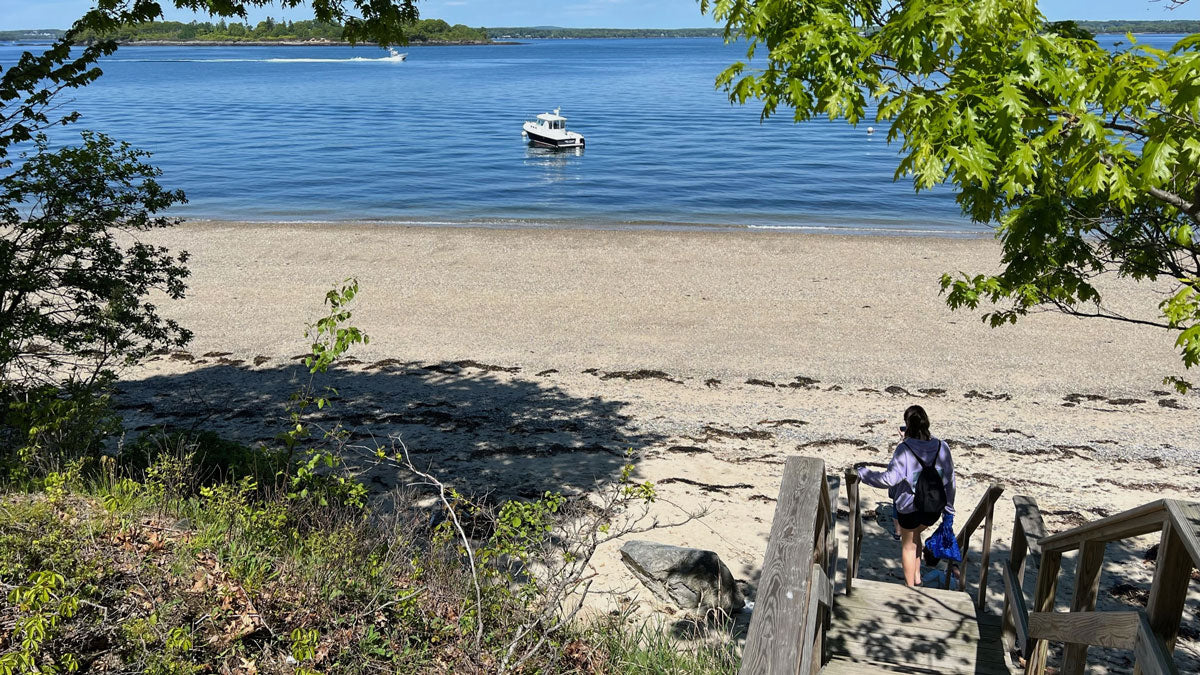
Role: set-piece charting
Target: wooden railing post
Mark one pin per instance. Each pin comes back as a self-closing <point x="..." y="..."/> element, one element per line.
<point x="982" y="515"/>
<point x="1043" y="601"/>
<point x="1169" y="589"/>
<point x="787" y="630"/>
<point x="1149" y="634"/>
<point x="854" y="545"/>
<point x="1087" y="584"/>
<point x="985" y="555"/>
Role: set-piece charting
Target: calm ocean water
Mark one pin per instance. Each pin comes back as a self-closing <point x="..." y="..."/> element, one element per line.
<point x="343" y="134"/>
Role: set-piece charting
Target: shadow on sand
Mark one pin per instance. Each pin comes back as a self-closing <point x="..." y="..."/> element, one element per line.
<point x="481" y="427"/>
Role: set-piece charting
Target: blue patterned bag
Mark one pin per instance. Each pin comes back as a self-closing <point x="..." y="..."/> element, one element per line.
<point x="943" y="544"/>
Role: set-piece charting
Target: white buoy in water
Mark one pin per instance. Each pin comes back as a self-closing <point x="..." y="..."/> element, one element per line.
<point x="870" y="130"/>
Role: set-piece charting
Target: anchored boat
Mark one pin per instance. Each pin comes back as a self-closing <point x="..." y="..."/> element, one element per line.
<point x="550" y="130"/>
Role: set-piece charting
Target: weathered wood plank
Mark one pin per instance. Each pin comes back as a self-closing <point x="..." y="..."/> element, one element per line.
<point x="1030" y="519"/>
<point x="846" y="665"/>
<point x="1168" y="591"/>
<point x="1186" y="518"/>
<point x="1150" y="653"/>
<point x="1087" y="585"/>
<point x="928" y="654"/>
<point x="835" y="486"/>
<point x="854" y="541"/>
<point x="914" y="612"/>
<point x="1016" y="619"/>
<point x="811" y="625"/>
<point x="1103" y="629"/>
<point x="777" y="629"/>
<point x="986" y="555"/>
<point x="870" y="618"/>
<point x="1028" y="531"/>
<point x="892" y="593"/>
<point x="1134" y="522"/>
<point x="930" y="641"/>
<point x="1043" y="601"/>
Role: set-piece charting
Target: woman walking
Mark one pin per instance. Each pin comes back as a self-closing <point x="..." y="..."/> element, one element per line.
<point x="920" y="481"/>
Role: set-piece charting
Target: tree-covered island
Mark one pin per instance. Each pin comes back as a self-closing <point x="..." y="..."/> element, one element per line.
<point x="437" y="31"/>
<point x="425" y="31"/>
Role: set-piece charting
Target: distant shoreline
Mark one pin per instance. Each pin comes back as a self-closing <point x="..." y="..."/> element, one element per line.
<point x="300" y="43"/>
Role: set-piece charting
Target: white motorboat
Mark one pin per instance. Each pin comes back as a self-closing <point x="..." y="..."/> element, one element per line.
<point x="394" y="55"/>
<point x="550" y="130"/>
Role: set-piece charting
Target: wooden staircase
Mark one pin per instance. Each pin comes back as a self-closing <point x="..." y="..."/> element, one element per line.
<point x="890" y="628"/>
<point x="803" y="625"/>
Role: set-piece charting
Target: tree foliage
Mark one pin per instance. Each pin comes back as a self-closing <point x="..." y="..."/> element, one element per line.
<point x="1086" y="160"/>
<point x="74" y="280"/>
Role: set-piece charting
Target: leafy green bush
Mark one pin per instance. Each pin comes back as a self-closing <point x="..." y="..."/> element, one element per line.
<point x="213" y="459"/>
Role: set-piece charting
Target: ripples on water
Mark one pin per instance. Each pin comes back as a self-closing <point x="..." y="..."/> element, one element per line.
<point x="339" y="133"/>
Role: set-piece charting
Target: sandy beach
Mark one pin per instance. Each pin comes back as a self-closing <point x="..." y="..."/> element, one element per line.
<point x="518" y="361"/>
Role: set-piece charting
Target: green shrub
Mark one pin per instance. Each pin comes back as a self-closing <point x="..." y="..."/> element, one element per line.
<point x="212" y="459"/>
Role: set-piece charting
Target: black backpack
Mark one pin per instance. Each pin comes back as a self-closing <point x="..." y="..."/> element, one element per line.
<point x="930" y="491"/>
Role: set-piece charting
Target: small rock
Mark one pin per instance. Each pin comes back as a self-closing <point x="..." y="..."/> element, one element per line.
<point x="688" y="577"/>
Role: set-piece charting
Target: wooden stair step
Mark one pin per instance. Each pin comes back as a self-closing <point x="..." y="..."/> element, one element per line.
<point x="860" y="617"/>
<point x="898" y="590"/>
<point x="920" y="603"/>
<point x="847" y="666"/>
<point x="886" y="627"/>
<point x="885" y="644"/>
<point x="949" y="661"/>
<point x="838" y="667"/>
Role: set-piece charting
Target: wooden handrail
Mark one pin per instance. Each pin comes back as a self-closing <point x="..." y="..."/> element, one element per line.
<point x="1150" y="634"/>
<point x="1119" y="630"/>
<point x="1132" y="523"/>
<point x="795" y="592"/>
<point x="1185" y="516"/>
<point x="983" y="514"/>
<point x="1028" y="532"/>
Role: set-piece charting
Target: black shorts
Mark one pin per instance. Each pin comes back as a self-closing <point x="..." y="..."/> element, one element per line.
<point x="911" y="521"/>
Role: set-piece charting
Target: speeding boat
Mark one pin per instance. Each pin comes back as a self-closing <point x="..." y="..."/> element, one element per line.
<point x="550" y="130"/>
<point x="394" y="55"/>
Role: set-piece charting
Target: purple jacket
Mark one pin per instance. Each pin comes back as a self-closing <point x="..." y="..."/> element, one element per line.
<point x="900" y="478"/>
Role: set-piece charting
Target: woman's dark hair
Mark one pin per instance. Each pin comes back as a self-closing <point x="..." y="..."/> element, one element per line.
<point x="916" y="423"/>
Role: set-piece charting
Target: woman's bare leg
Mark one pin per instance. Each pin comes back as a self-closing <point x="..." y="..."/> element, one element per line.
<point x="908" y="555"/>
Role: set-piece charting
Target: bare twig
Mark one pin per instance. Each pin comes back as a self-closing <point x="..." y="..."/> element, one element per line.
<point x="441" y="488"/>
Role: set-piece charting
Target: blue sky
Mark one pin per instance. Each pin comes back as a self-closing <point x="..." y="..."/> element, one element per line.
<point x="15" y="14"/>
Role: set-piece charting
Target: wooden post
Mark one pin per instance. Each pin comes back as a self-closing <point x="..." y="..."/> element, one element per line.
<point x="1087" y="583"/>
<point x="1169" y="589"/>
<point x="985" y="555"/>
<point x="1043" y="601"/>
<point x="776" y="643"/>
<point x="855" y="524"/>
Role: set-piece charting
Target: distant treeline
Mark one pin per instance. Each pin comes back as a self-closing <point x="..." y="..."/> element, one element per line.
<point x="436" y="30"/>
<point x="537" y="32"/>
<point x="554" y="32"/>
<point x="428" y="30"/>
<point x="1179" y="26"/>
<point x="34" y="34"/>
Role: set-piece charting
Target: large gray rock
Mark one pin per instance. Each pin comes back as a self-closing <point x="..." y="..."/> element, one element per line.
<point x="690" y="578"/>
